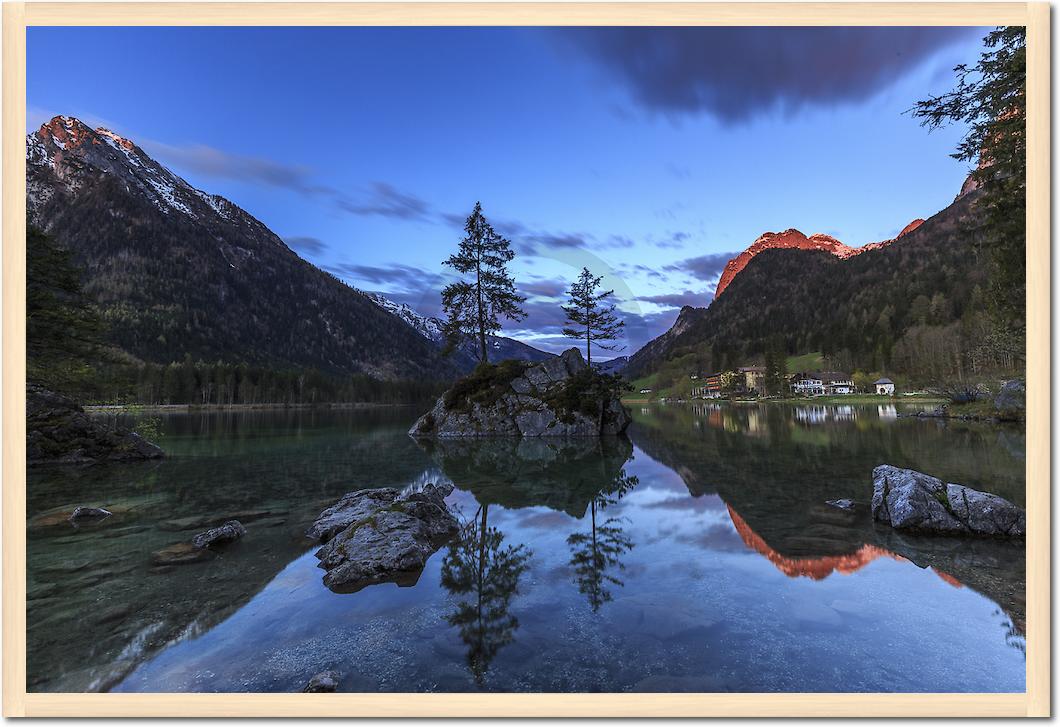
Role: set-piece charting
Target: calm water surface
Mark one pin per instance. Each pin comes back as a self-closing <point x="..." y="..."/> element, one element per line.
<point x="698" y="555"/>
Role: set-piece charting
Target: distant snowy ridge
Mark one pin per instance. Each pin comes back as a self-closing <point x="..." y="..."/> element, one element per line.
<point x="431" y="328"/>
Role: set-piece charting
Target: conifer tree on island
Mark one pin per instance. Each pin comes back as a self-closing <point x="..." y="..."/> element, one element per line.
<point x="473" y="306"/>
<point x="596" y="322"/>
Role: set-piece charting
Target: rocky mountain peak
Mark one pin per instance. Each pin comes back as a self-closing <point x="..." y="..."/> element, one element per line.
<point x="792" y="239"/>
<point x="910" y="227"/>
<point x="65" y="154"/>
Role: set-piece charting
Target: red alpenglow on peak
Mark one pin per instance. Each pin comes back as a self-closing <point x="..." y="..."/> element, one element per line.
<point x="910" y="227"/>
<point x="67" y="132"/>
<point x="794" y="240"/>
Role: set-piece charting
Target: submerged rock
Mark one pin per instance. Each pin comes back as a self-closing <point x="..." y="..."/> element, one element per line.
<point x="843" y="504"/>
<point x="89" y="513"/>
<point x="180" y="554"/>
<point x="229" y="532"/>
<point x="325" y="681"/>
<point x="555" y="398"/>
<point x="59" y="431"/>
<point x="913" y="501"/>
<point x="383" y="535"/>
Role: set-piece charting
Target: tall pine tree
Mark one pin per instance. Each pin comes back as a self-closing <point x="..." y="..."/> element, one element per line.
<point x="473" y="306"/>
<point x="63" y="330"/>
<point x="596" y="322"/>
<point x="991" y="98"/>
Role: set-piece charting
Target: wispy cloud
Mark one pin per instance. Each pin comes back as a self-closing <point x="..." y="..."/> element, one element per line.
<point x="704" y="267"/>
<point x="309" y="245"/>
<point x="679" y="300"/>
<point x="396" y="274"/>
<point x="383" y="200"/>
<point x="378" y="199"/>
<point x="544" y="288"/>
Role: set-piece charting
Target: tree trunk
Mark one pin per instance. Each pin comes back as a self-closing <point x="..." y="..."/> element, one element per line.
<point x="588" y="340"/>
<point x="481" y="314"/>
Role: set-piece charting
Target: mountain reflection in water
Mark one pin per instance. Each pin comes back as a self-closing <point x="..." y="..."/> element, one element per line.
<point x="698" y="554"/>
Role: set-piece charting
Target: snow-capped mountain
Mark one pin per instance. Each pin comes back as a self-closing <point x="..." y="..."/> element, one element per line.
<point x="177" y="271"/>
<point x="501" y="347"/>
<point x="428" y="327"/>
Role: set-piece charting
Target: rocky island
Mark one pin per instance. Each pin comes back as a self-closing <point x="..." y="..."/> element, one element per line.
<point x="560" y="397"/>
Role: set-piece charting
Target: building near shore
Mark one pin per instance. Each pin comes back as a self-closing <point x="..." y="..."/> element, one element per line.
<point x="822" y="383"/>
<point x="884" y="386"/>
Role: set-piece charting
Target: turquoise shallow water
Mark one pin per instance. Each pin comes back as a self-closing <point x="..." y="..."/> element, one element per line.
<point x="698" y="555"/>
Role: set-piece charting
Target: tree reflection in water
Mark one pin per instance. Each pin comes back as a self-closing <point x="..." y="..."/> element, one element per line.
<point x="479" y="567"/>
<point x="596" y="553"/>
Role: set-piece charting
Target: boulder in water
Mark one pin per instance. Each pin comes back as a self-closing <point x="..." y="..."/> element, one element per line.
<point x="383" y="535"/>
<point x="913" y="501"/>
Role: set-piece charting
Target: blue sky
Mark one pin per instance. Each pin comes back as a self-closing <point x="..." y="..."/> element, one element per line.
<point x="650" y="156"/>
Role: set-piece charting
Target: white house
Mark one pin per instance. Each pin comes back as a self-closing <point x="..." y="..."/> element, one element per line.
<point x="884" y="386"/>
<point x="808" y="386"/>
<point x="836" y="382"/>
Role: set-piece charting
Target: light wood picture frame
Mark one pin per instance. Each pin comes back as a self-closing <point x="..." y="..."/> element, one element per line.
<point x="17" y="702"/>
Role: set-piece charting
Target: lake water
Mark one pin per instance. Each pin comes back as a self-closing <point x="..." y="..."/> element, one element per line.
<point x="696" y="555"/>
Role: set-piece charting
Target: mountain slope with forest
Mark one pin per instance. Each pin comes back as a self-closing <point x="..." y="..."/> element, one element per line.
<point x="913" y="305"/>
<point x="177" y="272"/>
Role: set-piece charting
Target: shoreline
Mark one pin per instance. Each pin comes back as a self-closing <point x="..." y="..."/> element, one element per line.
<point x="838" y="399"/>
<point x="190" y="408"/>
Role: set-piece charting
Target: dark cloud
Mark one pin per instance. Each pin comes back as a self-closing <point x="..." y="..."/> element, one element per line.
<point x="678" y="300"/>
<point x="675" y="241"/>
<point x="397" y="275"/>
<point x="737" y="74"/>
<point x="544" y="288"/>
<point x="559" y="240"/>
<point x="383" y="200"/>
<point x="210" y="162"/>
<point x="309" y="245"/>
<point x="380" y="199"/>
<point x="704" y="267"/>
<point x="631" y="269"/>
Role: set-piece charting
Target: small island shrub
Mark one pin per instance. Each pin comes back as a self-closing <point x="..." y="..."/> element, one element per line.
<point x="585" y="393"/>
<point x="485" y="385"/>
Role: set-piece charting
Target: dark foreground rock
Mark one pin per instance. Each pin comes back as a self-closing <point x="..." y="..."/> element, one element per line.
<point x="912" y="501"/>
<point x="560" y="397"/>
<point x="229" y="532"/>
<point x="58" y="431"/>
<point x="382" y="535"/>
<point x="325" y="681"/>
